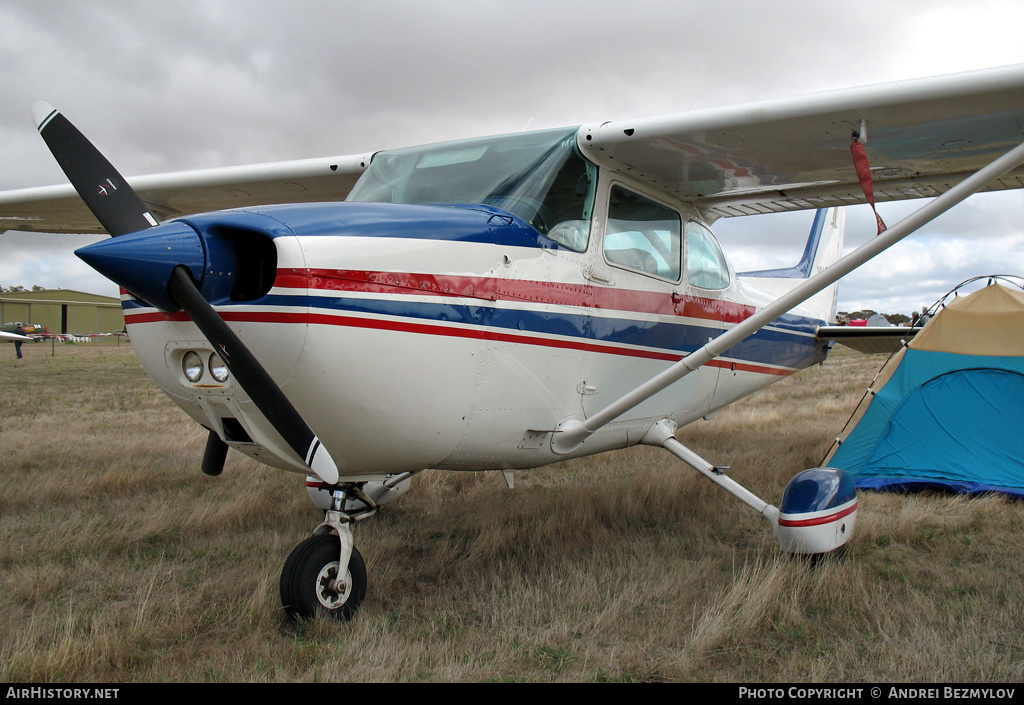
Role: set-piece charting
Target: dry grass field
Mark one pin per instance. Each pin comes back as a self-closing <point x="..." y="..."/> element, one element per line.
<point x="121" y="562"/>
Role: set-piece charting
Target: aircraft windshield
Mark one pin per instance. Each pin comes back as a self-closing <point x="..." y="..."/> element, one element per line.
<point x="539" y="176"/>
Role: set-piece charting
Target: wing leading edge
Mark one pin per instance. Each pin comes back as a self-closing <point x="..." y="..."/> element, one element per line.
<point x="58" y="209"/>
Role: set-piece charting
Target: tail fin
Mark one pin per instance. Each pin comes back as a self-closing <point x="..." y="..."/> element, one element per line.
<point x="824" y="247"/>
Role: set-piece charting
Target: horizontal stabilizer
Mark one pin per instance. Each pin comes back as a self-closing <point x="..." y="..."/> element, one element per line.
<point x="868" y="340"/>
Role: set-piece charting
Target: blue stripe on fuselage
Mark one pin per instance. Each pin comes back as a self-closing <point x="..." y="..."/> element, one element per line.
<point x="781" y="345"/>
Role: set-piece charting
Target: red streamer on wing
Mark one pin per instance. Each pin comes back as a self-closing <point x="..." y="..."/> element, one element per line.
<point x="860" y="163"/>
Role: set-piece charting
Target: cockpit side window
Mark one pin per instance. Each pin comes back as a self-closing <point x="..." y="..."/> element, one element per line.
<point x="564" y="215"/>
<point x="643" y="235"/>
<point x="706" y="267"/>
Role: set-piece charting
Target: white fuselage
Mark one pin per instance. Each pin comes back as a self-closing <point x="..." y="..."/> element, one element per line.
<point x="407" y="353"/>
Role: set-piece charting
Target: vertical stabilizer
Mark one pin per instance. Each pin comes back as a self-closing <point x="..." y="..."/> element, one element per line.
<point x="824" y="247"/>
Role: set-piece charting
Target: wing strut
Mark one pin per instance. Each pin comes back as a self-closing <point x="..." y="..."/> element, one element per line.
<point x="571" y="432"/>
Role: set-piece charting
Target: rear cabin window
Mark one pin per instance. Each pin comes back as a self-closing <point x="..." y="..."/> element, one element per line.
<point x="706" y="267"/>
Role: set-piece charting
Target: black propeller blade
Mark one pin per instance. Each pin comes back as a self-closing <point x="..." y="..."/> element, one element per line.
<point x="120" y="210"/>
<point x="114" y="203"/>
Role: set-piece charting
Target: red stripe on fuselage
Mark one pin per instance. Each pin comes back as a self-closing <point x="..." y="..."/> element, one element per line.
<point x="495" y="289"/>
<point x="435" y="329"/>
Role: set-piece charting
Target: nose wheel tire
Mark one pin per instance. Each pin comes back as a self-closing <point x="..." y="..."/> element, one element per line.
<point x="310" y="584"/>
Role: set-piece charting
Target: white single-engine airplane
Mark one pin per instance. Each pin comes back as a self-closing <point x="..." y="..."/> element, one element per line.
<point x="504" y="303"/>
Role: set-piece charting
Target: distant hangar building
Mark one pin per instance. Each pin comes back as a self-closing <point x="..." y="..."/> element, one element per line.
<point x="63" y="311"/>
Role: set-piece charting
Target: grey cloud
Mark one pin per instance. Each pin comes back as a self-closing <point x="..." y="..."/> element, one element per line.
<point x="163" y="86"/>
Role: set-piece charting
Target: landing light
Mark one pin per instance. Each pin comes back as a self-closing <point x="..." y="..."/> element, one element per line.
<point x="192" y="366"/>
<point x="217" y="368"/>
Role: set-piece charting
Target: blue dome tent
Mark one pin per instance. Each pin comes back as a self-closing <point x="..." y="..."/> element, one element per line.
<point x="947" y="411"/>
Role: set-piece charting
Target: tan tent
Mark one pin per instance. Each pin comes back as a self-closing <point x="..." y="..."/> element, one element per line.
<point x="946" y="411"/>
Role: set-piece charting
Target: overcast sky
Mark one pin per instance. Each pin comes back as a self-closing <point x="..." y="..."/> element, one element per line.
<point x="166" y="86"/>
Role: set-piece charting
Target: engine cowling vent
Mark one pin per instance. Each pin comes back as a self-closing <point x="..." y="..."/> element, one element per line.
<point x="244" y="259"/>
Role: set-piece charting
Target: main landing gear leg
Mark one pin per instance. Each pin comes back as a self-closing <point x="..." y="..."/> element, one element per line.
<point x="325" y="574"/>
<point x="818" y="508"/>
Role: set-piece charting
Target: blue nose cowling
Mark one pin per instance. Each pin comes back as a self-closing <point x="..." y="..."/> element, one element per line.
<point x="142" y="262"/>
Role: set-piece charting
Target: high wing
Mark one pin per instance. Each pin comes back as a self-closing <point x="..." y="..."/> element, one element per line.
<point x="59" y="209"/>
<point x="922" y="137"/>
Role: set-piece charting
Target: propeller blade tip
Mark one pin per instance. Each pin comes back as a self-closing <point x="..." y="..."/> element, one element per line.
<point x="321" y="463"/>
<point x="41" y="113"/>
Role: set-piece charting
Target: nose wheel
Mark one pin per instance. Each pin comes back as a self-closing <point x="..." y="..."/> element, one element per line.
<point x="312" y="584"/>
